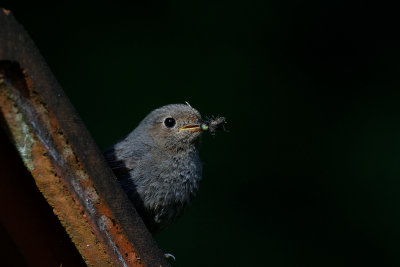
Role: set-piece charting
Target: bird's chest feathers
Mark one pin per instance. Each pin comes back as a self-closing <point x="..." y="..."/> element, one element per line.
<point x="173" y="182"/>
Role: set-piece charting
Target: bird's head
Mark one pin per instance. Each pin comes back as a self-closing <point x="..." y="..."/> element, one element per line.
<point x="175" y="126"/>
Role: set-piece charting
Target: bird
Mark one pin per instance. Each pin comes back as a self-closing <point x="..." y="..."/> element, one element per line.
<point x="158" y="163"/>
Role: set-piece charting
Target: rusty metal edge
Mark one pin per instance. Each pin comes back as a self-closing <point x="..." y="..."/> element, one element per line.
<point x="66" y="163"/>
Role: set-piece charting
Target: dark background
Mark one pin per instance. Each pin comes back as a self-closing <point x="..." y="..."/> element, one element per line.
<point x="308" y="174"/>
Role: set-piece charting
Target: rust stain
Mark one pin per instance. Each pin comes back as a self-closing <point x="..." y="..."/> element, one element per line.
<point x="46" y="152"/>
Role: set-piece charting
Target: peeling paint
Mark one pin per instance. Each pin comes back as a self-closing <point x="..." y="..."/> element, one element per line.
<point x="25" y="143"/>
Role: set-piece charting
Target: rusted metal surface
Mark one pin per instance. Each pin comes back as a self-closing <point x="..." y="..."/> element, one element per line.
<point x="34" y="233"/>
<point x="64" y="161"/>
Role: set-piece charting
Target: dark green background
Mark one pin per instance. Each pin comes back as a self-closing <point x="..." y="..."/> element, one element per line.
<point x="308" y="174"/>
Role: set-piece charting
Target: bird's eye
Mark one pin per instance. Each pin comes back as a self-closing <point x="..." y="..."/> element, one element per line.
<point x="169" y="122"/>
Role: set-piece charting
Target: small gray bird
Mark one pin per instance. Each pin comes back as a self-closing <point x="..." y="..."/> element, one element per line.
<point x="158" y="163"/>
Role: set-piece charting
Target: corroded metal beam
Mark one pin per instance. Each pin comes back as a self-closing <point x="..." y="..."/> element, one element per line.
<point x="64" y="161"/>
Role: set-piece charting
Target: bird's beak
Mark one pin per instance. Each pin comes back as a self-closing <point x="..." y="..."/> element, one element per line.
<point x="191" y="127"/>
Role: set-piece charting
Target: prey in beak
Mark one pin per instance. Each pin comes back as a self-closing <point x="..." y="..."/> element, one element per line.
<point x="212" y="125"/>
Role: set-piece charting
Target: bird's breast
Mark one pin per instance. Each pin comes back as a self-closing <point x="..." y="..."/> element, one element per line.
<point x="171" y="186"/>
